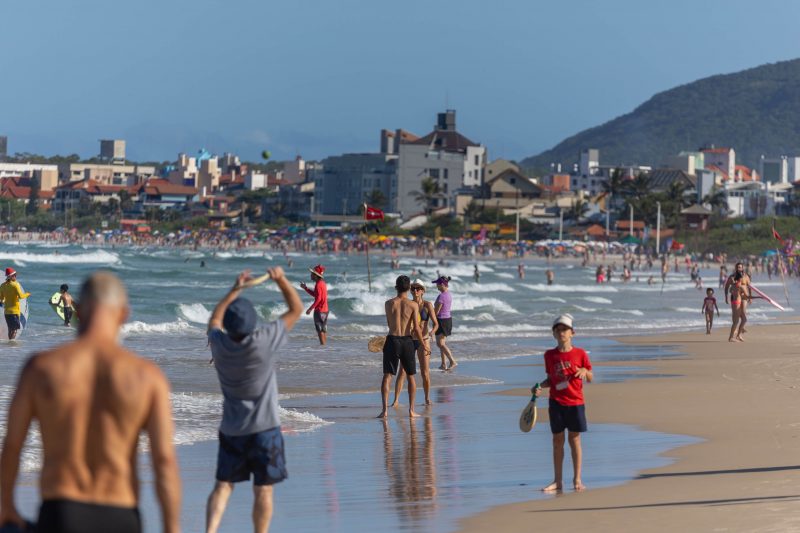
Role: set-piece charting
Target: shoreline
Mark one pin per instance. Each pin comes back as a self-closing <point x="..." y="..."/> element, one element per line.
<point x="739" y="398"/>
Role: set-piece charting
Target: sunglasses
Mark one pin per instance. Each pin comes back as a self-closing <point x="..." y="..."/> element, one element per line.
<point x="417" y="289"/>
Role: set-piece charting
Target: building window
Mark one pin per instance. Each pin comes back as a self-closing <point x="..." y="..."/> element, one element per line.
<point x="444" y="173"/>
<point x="434" y="173"/>
<point x="477" y="160"/>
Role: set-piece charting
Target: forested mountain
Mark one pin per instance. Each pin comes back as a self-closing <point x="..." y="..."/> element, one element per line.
<point x="756" y="111"/>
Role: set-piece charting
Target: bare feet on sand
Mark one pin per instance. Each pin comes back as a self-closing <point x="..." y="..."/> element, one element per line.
<point x="412" y="414"/>
<point x="442" y="367"/>
<point x="552" y="487"/>
<point x="428" y="401"/>
<point x="382" y="415"/>
<point x="578" y="485"/>
<point x="453" y="365"/>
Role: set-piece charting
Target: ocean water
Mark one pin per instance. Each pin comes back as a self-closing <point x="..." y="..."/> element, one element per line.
<point x="500" y="317"/>
<point x="499" y="322"/>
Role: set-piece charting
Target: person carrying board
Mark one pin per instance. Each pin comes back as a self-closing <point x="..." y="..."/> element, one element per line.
<point x="567" y="367"/>
<point x="10" y="295"/>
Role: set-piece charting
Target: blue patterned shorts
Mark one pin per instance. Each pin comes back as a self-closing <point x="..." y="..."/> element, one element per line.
<point x="259" y="454"/>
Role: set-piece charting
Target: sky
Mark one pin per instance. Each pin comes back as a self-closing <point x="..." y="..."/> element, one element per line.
<point x="323" y="77"/>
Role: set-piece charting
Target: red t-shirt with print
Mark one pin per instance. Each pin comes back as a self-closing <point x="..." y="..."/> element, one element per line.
<point x="561" y="367"/>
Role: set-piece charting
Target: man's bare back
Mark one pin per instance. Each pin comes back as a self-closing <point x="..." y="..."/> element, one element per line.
<point x="84" y="392"/>
<point x="400" y="312"/>
<point x="92" y="398"/>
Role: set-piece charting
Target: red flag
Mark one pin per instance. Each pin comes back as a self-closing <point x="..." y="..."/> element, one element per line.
<point x="372" y="213"/>
<point x="676" y="245"/>
<point x="775" y="234"/>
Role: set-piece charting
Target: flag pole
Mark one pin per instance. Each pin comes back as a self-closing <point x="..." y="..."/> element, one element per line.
<point x="366" y="249"/>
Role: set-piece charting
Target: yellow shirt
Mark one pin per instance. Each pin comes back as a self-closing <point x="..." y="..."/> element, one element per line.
<point x="10" y="294"/>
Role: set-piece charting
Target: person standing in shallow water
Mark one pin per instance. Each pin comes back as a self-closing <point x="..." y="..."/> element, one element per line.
<point x="567" y="367"/>
<point x="426" y="315"/>
<point x="443" y="305"/>
<point x="320" y="303"/>
<point x="398" y="349"/>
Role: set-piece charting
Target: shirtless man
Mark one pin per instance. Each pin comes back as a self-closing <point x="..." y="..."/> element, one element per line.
<point x="743" y="281"/>
<point x="92" y="398"/>
<point x="401" y="317"/>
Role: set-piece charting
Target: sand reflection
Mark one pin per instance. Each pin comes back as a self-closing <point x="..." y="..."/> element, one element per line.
<point x="411" y="467"/>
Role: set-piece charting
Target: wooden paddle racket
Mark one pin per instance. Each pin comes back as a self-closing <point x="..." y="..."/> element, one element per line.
<point x="375" y="344"/>
<point x="528" y="417"/>
<point x="256" y="281"/>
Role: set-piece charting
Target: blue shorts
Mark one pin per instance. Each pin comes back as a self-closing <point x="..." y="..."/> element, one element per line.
<point x="571" y="417"/>
<point x="259" y="454"/>
<point x="12" y="322"/>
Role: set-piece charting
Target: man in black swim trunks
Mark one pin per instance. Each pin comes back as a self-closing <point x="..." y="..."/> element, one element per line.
<point x="401" y="317"/>
<point x="92" y="398"/>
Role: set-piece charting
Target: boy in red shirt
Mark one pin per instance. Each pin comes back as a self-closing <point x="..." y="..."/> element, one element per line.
<point x="320" y="304"/>
<point x="566" y="368"/>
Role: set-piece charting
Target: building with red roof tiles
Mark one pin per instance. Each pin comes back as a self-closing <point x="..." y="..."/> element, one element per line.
<point x="722" y="158"/>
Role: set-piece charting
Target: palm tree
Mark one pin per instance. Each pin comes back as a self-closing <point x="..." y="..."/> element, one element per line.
<point x="577" y="210"/>
<point x="717" y="200"/>
<point x="638" y="187"/>
<point x="473" y="212"/>
<point x="375" y="198"/>
<point x="428" y="195"/>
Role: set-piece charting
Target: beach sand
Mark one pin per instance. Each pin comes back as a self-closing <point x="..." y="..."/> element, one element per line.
<point x="740" y="398"/>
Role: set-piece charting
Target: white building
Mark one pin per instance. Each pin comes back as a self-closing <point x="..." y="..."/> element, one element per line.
<point x="444" y="155"/>
<point x="723" y="159"/>
<point x="255" y="180"/>
<point x="754" y="199"/>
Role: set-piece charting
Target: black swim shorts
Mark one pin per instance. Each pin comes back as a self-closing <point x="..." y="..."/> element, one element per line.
<point x="66" y="516"/>
<point x="12" y="321"/>
<point x="445" y="327"/>
<point x="320" y="321"/>
<point x="399" y="351"/>
<point x="571" y="417"/>
<point x="260" y="454"/>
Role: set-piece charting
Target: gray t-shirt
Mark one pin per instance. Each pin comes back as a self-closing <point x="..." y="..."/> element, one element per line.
<point x="246" y="372"/>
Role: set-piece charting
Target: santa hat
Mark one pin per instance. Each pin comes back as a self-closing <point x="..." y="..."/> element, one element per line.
<point x="10" y="272"/>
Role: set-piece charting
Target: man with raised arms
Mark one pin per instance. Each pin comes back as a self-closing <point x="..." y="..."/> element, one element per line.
<point x="401" y="317"/>
<point x="92" y="398"/>
<point x="245" y="355"/>
<point x="567" y="367"/>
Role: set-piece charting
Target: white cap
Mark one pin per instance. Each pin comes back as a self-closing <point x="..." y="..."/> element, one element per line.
<point x="565" y="319"/>
<point x="418" y="282"/>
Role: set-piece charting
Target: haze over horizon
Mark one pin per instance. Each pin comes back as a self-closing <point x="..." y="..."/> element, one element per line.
<point x="320" y="79"/>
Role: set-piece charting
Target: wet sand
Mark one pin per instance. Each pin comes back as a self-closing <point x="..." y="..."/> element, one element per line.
<point x="741" y="399"/>
<point x="463" y="455"/>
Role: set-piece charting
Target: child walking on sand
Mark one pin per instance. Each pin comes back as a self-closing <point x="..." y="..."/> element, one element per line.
<point x="709" y="304"/>
<point x="567" y="367"/>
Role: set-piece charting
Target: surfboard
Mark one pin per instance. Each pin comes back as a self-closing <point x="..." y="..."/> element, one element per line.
<point x="23" y="320"/>
<point x="763" y="296"/>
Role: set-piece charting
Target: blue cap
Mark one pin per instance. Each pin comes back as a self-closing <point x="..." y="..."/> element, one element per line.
<point x="240" y="318"/>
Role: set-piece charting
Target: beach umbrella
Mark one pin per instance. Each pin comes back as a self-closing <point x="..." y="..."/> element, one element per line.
<point x="630" y="239"/>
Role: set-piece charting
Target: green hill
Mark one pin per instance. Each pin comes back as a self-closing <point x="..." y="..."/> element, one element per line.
<point x="756" y="111"/>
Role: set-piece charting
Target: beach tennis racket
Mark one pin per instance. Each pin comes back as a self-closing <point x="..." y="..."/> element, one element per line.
<point x="528" y="417"/>
<point x="256" y="281"/>
<point x="375" y="344"/>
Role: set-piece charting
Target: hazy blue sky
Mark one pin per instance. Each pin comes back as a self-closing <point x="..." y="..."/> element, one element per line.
<point x="322" y="77"/>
